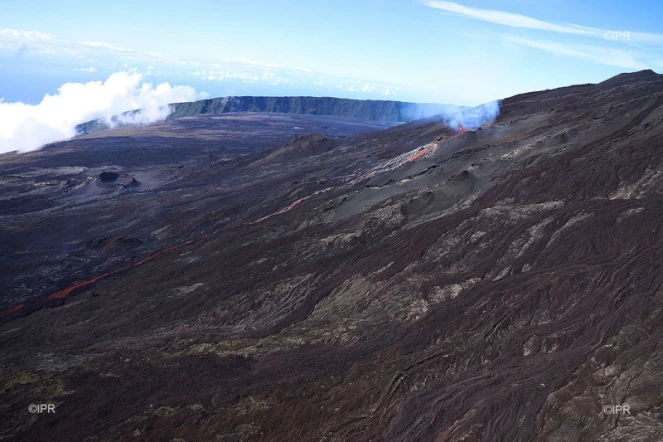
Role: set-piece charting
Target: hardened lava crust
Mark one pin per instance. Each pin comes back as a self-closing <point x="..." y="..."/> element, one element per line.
<point x="408" y="283"/>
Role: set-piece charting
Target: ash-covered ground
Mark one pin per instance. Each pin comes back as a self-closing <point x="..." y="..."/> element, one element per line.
<point x="413" y="283"/>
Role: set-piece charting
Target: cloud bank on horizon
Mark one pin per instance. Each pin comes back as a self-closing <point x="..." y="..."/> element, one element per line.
<point x="28" y="127"/>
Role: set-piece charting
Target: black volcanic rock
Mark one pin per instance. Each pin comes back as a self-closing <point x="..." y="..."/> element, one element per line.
<point x="633" y="77"/>
<point x="114" y="242"/>
<point x="108" y="177"/>
<point x="304" y="145"/>
<point x="408" y="285"/>
<point x="459" y="178"/>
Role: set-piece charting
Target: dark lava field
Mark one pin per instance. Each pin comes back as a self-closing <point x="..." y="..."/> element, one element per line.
<point x="281" y="277"/>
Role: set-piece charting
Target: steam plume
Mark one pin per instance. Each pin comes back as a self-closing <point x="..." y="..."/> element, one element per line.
<point x="25" y="127"/>
<point x="472" y="118"/>
<point x="469" y="117"/>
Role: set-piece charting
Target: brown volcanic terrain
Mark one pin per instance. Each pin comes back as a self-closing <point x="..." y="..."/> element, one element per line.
<point x="409" y="284"/>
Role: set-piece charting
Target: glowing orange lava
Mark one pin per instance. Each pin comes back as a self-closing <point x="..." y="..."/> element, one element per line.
<point x="177" y="246"/>
<point x="421" y="153"/>
<point x="66" y="292"/>
<point x="285" y="209"/>
<point x="12" y="310"/>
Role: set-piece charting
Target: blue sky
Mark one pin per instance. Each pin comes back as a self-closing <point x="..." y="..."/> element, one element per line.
<point x="465" y="52"/>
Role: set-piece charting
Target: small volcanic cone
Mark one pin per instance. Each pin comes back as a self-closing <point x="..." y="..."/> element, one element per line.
<point x="459" y="178"/>
<point x="116" y="179"/>
<point x="299" y="146"/>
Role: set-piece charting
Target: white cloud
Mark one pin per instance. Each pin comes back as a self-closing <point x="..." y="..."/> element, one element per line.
<point x="29" y="127"/>
<point x="645" y="37"/>
<point x="523" y="21"/>
<point x="627" y="51"/>
<point x="350" y="88"/>
<point x="601" y="55"/>
<point x="258" y="63"/>
<point x="103" y="45"/>
<point x="274" y="79"/>
<point x="509" y="19"/>
<point x="18" y="42"/>
<point x="91" y="69"/>
<point x="244" y="77"/>
<point x="16" y="34"/>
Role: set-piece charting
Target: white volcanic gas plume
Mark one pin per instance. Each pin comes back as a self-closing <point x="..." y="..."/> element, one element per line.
<point x="469" y="117"/>
<point x="472" y="118"/>
<point x="25" y="127"/>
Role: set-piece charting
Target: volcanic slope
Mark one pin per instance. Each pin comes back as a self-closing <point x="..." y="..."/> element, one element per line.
<point x="412" y="284"/>
<point x="56" y="206"/>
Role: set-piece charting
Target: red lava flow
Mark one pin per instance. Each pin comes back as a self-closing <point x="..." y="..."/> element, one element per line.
<point x="285" y="209"/>
<point x="66" y="292"/>
<point x="11" y="310"/>
<point x="177" y="246"/>
<point x="290" y="206"/>
<point x="461" y="130"/>
<point x="421" y="153"/>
